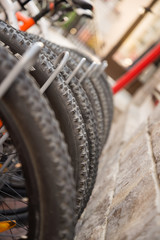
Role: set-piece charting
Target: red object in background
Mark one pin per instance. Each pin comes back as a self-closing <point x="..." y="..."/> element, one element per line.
<point x="137" y="68"/>
<point x="27" y="21"/>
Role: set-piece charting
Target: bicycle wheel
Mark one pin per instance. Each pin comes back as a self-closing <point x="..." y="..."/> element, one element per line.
<point x="85" y="107"/>
<point x="87" y="84"/>
<point x="103" y="91"/>
<point x="89" y="89"/>
<point x="65" y="107"/>
<point x="109" y="95"/>
<point x="34" y="152"/>
<point x="93" y="97"/>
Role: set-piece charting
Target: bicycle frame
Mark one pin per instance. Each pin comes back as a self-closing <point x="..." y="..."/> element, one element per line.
<point x="12" y="7"/>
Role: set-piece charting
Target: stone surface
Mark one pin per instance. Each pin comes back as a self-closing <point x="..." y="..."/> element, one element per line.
<point x="128" y="216"/>
<point x="154" y="131"/>
<point x="125" y="203"/>
<point x="92" y="224"/>
<point x="136" y="200"/>
<point x="134" y="162"/>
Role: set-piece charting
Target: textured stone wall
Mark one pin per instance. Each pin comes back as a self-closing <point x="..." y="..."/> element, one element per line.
<point x="125" y="203"/>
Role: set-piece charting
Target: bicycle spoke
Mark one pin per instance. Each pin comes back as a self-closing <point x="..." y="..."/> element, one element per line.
<point x="12" y="166"/>
<point x="4" y="138"/>
<point x="6" y="163"/>
<point x="7" y="154"/>
<point x="13" y="190"/>
<point x="14" y="213"/>
<point x="17" y="199"/>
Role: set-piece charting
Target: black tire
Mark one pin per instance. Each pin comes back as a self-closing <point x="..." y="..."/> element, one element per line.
<point x="45" y="162"/>
<point x="103" y="91"/>
<point x="90" y="91"/>
<point x="88" y="86"/>
<point x="97" y="111"/>
<point x="53" y="51"/>
<point x="65" y="108"/>
<point x="92" y="95"/>
<point x="109" y="95"/>
<point x="102" y="94"/>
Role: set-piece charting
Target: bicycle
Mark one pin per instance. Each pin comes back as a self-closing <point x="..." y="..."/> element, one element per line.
<point x="36" y="200"/>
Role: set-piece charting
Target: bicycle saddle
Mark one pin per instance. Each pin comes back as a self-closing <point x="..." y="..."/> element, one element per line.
<point x="82" y="7"/>
<point x="85" y="4"/>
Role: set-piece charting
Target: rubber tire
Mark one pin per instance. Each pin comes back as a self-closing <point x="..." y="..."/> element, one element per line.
<point x="87" y="85"/>
<point x="43" y="154"/>
<point x="104" y="93"/>
<point x="85" y="107"/>
<point x="65" y="107"/>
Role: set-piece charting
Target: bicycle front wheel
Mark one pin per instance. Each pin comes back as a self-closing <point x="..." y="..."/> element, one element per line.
<point x="34" y="154"/>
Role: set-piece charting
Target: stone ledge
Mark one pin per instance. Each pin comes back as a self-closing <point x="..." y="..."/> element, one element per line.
<point x="125" y="203"/>
<point x="128" y="217"/>
<point x="92" y="224"/>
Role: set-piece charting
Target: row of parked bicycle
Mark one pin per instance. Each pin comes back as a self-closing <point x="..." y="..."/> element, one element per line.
<point x="55" y="115"/>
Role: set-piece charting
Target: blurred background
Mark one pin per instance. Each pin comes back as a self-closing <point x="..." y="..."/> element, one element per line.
<point x="120" y="32"/>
